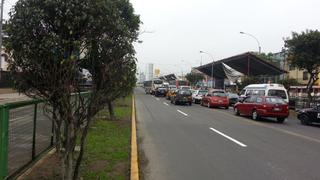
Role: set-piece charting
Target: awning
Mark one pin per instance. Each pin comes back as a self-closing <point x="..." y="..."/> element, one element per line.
<point x="246" y="63"/>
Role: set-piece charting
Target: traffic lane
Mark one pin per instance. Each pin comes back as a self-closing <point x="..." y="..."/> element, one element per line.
<point x="279" y="154"/>
<point x="171" y="154"/>
<point x="193" y="152"/>
<point x="291" y="125"/>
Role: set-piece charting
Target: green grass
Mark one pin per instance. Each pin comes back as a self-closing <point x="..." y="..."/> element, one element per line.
<point x="107" y="150"/>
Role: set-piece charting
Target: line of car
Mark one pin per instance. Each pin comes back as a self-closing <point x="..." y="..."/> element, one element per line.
<point x="255" y="106"/>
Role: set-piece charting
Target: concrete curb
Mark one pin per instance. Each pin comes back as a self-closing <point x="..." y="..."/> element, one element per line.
<point x="134" y="172"/>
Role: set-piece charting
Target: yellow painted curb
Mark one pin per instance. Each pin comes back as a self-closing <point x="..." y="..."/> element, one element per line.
<point x="134" y="172"/>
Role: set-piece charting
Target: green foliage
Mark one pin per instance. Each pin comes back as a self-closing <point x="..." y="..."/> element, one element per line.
<point x="304" y="53"/>
<point x="304" y="50"/>
<point x="194" y="78"/>
<point x="51" y="41"/>
<point x="288" y="82"/>
<point x="247" y="81"/>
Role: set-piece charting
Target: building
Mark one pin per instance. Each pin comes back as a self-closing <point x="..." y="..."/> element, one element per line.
<point x="149" y="72"/>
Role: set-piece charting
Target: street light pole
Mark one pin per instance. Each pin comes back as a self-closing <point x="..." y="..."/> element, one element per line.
<point x="253" y="38"/>
<point x="1" y="19"/>
<point x="211" y="66"/>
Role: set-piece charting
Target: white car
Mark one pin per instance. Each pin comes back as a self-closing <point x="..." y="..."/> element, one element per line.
<point x="265" y="90"/>
<point x="198" y="94"/>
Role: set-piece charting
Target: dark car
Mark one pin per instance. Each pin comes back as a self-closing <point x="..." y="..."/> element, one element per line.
<point x="233" y="98"/>
<point x="182" y="96"/>
<point x="310" y="115"/>
<point x="263" y="106"/>
<point x="160" y="91"/>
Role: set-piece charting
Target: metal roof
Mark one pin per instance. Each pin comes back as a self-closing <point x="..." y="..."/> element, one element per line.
<point x="246" y="63"/>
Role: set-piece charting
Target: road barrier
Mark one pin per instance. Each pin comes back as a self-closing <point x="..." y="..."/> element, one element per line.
<point x="26" y="133"/>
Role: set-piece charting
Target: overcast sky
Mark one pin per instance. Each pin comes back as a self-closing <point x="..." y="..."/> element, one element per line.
<point x="181" y="28"/>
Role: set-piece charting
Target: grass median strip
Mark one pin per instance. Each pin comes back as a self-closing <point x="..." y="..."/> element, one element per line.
<point x="107" y="149"/>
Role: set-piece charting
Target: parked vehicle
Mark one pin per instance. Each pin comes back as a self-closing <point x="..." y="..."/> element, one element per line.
<point x="156" y="83"/>
<point x="215" y="98"/>
<point x="182" y="96"/>
<point x="265" y="90"/>
<point x="197" y="95"/>
<point x="147" y="86"/>
<point x="233" y="98"/>
<point x="160" y="91"/>
<point x="185" y="87"/>
<point x="309" y="115"/>
<point x="171" y="91"/>
<point x="263" y="106"/>
<point x="179" y="83"/>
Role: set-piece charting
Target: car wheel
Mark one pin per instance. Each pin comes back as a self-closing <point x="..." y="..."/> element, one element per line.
<point x="190" y="103"/>
<point x="175" y="102"/>
<point x="304" y="119"/>
<point x="227" y="107"/>
<point x="236" y="111"/>
<point x="255" y="115"/>
<point x="280" y="120"/>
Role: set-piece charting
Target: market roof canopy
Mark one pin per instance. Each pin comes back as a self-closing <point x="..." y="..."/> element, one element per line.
<point x="247" y="63"/>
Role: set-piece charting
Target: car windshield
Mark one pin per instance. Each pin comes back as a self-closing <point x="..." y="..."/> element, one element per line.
<point x="185" y="92"/>
<point x="219" y="94"/>
<point x="278" y="93"/>
<point x="275" y="100"/>
<point x="232" y="95"/>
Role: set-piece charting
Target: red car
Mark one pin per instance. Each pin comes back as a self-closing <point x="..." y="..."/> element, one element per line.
<point x="215" y="98"/>
<point x="263" y="106"/>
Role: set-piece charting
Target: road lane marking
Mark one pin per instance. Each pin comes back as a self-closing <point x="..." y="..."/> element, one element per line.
<point x="182" y="113"/>
<point x="165" y="103"/>
<point x="228" y="137"/>
<point x="157" y="99"/>
<point x="271" y="127"/>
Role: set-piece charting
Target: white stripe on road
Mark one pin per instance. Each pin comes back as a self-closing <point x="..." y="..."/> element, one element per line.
<point x="182" y="113"/>
<point x="157" y="99"/>
<point x="228" y="137"/>
<point x="165" y="103"/>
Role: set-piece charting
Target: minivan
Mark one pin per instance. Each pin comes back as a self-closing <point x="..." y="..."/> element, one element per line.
<point x="277" y="90"/>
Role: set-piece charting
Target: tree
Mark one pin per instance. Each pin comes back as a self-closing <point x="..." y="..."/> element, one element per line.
<point x="289" y="82"/>
<point x="194" y="78"/>
<point x="247" y="81"/>
<point x="50" y="42"/>
<point x="304" y="53"/>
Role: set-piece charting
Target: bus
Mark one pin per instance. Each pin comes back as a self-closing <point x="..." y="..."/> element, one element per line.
<point x="179" y="83"/>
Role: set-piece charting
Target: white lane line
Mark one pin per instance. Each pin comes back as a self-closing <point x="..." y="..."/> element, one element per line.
<point x="228" y="137"/>
<point x="157" y="99"/>
<point x="165" y="103"/>
<point x="182" y="113"/>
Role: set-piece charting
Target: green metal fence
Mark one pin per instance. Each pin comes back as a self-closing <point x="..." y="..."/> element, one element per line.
<point x="26" y="132"/>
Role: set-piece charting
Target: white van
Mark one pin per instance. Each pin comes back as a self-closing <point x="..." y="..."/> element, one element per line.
<point x="265" y="90"/>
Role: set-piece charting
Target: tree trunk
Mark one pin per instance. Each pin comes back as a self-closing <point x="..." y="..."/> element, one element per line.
<point x="111" y="111"/>
<point x="312" y="80"/>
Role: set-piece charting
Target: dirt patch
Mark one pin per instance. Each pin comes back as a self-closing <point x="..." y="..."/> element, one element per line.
<point x="98" y="165"/>
<point x="48" y="169"/>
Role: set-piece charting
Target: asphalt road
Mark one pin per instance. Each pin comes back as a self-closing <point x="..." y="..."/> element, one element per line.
<point x="194" y="142"/>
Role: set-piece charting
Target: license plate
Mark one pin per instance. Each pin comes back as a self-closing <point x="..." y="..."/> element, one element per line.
<point x="277" y="109"/>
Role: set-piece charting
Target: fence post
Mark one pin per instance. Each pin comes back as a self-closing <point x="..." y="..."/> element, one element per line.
<point x="34" y="131"/>
<point x="4" y="126"/>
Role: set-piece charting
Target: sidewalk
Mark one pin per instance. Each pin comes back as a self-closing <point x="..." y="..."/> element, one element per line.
<point x="12" y="97"/>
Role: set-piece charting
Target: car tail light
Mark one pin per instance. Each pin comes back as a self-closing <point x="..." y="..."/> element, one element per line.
<point x="264" y="106"/>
